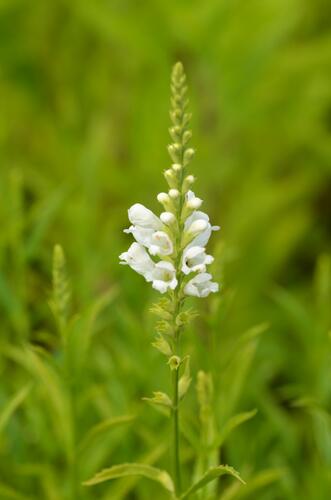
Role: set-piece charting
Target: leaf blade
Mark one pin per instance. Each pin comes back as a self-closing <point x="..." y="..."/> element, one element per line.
<point x="210" y="475"/>
<point x="133" y="469"/>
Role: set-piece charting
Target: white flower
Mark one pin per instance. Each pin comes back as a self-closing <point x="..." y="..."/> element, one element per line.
<point x="192" y="201"/>
<point x="147" y="230"/>
<point x="201" y="239"/>
<point x="143" y="217"/>
<point x="195" y="259"/>
<point x="141" y="235"/>
<point x="164" y="276"/>
<point x="139" y="260"/>
<point x="160" y="244"/>
<point x="201" y="286"/>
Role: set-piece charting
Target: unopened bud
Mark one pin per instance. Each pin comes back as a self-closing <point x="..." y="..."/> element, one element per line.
<point x="167" y="218"/>
<point x="187" y="136"/>
<point x="171" y="178"/>
<point x="194" y="203"/>
<point x="188" y="181"/>
<point x="174" y="151"/>
<point x="177" y="167"/>
<point x="197" y="226"/>
<point x="174" y="194"/>
<point x="188" y="155"/>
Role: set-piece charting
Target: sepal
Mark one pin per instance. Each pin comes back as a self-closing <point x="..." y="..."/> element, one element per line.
<point x="162" y="345"/>
<point x="160" y="398"/>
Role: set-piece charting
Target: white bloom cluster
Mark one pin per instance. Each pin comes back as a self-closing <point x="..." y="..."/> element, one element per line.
<point x="178" y="237"/>
<point x="156" y="236"/>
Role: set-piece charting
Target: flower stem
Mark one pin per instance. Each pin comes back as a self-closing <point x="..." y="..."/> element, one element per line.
<point x="176" y="457"/>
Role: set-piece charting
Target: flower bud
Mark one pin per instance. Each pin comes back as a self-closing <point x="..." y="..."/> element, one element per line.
<point x="167" y="218"/>
<point x="188" y="155"/>
<point x="171" y="178"/>
<point x="176" y="116"/>
<point x="177" y="167"/>
<point x="197" y="227"/>
<point x="188" y="181"/>
<point x="175" y="132"/>
<point x="164" y="199"/>
<point x="174" y="151"/>
<point x="174" y="194"/>
<point x="187" y="136"/>
<point x="194" y="203"/>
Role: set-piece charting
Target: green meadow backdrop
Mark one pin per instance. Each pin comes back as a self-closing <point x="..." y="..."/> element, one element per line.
<point x="84" y="93"/>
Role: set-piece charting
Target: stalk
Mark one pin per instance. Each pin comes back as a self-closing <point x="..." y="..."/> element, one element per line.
<point x="178" y="238"/>
<point x="175" y="412"/>
<point x="179" y="119"/>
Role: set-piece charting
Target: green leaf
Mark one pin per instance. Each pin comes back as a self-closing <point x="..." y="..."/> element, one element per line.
<point x="104" y="426"/>
<point x="8" y="493"/>
<point x="123" y="487"/>
<point x="212" y="474"/>
<point x="133" y="469"/>
<point x="12" y="405"/>
<point x="232" y="423"/>
<point x="258" y="482"/>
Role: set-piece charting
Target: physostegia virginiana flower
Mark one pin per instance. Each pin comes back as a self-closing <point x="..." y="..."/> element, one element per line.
<point x="169" y="251"/>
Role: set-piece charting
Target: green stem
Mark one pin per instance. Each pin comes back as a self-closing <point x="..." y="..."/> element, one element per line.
<point x="177" y="474"/>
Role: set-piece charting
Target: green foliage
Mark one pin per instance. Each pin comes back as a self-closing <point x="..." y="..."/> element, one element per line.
<point x="84" y="99"/>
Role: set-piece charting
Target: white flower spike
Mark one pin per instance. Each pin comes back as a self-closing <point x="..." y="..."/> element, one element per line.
<point x="171" y="246"/>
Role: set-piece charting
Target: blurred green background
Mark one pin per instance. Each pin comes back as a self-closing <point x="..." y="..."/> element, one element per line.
<point x="84" y="92"/>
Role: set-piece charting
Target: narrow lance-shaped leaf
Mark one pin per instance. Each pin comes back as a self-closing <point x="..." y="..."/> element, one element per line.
<point x="232" y="423"/>
<point x="258" y="482"/>
<point x="212" y="474"/>
<point x="122" y="470"/>
<point x="103" y="427"/>
<point x="12" y="405"/>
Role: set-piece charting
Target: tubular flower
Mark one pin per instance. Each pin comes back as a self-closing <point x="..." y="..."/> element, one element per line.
<point x="164" y="276"/>
<point x="195" y="259"/>
<point x="201" y="285"/>
<point x="139" y="260"/>
<point x="160" y="244"/>
<point x="203" y="237"/>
